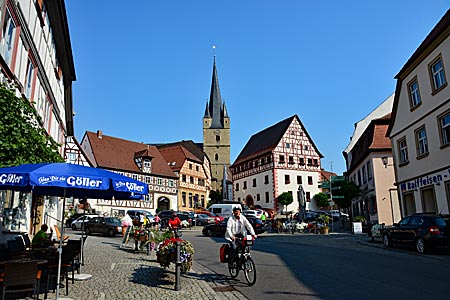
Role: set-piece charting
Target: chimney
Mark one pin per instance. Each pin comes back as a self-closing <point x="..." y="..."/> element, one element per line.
<point x="99" y="134"/>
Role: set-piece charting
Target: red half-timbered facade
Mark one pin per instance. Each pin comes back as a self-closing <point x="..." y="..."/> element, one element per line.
<point x="281" y="158"/>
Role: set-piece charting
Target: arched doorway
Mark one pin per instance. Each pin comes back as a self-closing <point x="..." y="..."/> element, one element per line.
<point x="249" y="201"/>
<point x="163" y="203"/>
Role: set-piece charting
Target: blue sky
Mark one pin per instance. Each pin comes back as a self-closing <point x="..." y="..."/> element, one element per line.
<point x="144" y="67"/>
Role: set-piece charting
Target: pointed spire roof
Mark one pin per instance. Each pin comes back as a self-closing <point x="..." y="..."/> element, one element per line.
<point x="224" y="109"/>
<point x="207" y="114"/>
<point x="215" y="100"/>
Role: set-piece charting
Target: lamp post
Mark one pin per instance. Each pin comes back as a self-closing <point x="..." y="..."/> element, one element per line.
<point x="331" y="199"/>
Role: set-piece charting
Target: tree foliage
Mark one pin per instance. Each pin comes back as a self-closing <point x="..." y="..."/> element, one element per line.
<point x="347" y="189"/>
<point x="285" y="199"/>
<point x="22" y="139"/>
<point x="322" y="200"/>
<point x="215" y="196"/>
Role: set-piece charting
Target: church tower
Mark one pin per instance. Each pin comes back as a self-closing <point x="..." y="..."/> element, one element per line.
<point x="216" y="134"/>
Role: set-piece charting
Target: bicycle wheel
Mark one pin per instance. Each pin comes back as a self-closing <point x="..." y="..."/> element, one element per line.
<point x="250" y="270"/>
<point x="233" y="268"/>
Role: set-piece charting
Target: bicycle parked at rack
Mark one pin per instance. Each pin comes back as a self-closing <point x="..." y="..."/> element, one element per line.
<point x="242" y="260"/>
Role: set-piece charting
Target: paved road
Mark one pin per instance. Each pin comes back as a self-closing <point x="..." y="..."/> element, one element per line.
<point x="335" y="266"/>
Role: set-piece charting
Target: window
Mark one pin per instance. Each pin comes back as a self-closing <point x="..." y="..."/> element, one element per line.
<point x="190" y="166"/>
<point x="308" y="197"/>
<point x="148" y="179"/>
<point x="216" y="157"/>
<point x="299" y="179"/>
<point x="258" y="198"/>
<point x="421" y="141"/>
<point x="309" y="162"/>
<point x="134" y="176"/>
<point x="147" y="163"/>
<point x="444" y="128"/>
<point x="359" y="177"/>
<point x="191" y="179"/>
<point x="190" y="199"/>
<point x="254" y="182"/>
<point x="316" y="163"/>
<point x="183" y="199"/>
<point x="281" y="159"/>
<point x="369" y="171"/>
<point x="288" y="145"/>
<point x="197" y="168"/>
<point x="414" y="94"/>
<point x="217" y="138"/>
<point x="291" y="160"/>
<point x="305" y="148"/>
<point x="437" y="74"/>
<point x="364" y="174"/>
<point x="266" y="179"/>
<point x="29" y="79"/>
<point x="160" y="181"/>
<point x="403" y="151"/>
<point x="287" y="179"/>
<point x="8" y="35"/>
<point x="237" y="186"/>
<point x="201" y="182"/>
<point x="245" y="185"/>
<point x="183" y="178"/>
<point x="302" y="161"/>
<point x="269" y="159"/>
<point x="171" y="183"/>
<point x="267" y="197"/>
<point x="310" y="180"/>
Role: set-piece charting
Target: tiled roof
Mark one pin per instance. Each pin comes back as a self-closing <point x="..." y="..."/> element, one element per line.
<point x="326" y="175"/>
<point x="176" y="155"/>
<point x="380" y="141"/>
<point x="269" y="138"/>
<point x="118" y="154"/>
<point x="194" y="148"/>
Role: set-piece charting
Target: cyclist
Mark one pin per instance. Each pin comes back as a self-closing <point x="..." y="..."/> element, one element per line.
<point x="236" y="228"/>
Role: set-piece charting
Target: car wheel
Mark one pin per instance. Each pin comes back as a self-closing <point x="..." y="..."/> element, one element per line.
<point x="387" y="241"/>
<point x="74" y="227"/>
<point x="111" y="232"/>
<point x="210" y="232"/>
<point x="88" y="231"/>
<point x="420" y="245"/>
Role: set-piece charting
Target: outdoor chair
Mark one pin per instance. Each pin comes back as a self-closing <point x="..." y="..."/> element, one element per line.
<point x="58" y="233"/>
<point x="16" y="248"/>
<point x="67" y="264"/>
<point x="20" y="277"/>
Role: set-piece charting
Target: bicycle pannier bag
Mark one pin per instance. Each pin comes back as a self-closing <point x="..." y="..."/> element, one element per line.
<point x="224" y="253"/>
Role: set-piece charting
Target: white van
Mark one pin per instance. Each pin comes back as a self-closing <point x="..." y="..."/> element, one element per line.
<point x="224" y="210"/>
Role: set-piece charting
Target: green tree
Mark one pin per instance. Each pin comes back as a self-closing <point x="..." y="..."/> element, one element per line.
<point x="215" y="196"/>
<point x="322" y="200"/>
<point x="22" y="139"/>
<point x="347" y="189"/>
<point x="285" y="199"/>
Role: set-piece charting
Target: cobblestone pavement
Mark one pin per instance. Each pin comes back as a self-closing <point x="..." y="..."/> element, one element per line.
<point x="126" y="274"/>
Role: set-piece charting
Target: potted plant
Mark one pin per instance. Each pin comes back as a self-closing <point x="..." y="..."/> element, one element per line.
<point x="326" y="220"/>
<point x="166" y="253"/>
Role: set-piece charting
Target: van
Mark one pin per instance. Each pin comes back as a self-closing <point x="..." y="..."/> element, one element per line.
<point x="224" y="210"/>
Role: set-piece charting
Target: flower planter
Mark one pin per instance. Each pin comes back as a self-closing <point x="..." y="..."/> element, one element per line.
<point x="166" y="253"/>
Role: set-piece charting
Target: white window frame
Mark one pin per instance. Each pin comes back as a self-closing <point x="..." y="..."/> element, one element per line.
<point x="421" y="141"/>
<point x="444" y="128"/>
<point x="437" y="73"/>
<point x="8" y="37"/>
<point x="403" y="151"/>
<point x="414" y="93"/>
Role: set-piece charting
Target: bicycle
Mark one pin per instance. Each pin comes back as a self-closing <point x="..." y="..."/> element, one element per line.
<point x="243" y="261"/>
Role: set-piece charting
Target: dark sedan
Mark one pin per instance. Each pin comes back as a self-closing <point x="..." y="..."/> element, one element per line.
<point x="422" y="230"/>
<point x="107" y="226"/>
<point x="220" y="228"/>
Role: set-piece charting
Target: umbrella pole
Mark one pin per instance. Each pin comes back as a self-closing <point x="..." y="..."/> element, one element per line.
<point x="61" y="239"/>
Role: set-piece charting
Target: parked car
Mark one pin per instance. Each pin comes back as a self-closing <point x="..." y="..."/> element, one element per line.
<point x="213" y="215"/>
<point x="253" y="212"/>
<point x="220" y="228"/>
<point x="78" y="223"/>
<point x="185" y="217"/>
<point x="133" y="213"/>
<point x="109" y="226"/>
<point x="202" y="219"/>
<point x="422" y="231"/>
<point x="72" y="218"/>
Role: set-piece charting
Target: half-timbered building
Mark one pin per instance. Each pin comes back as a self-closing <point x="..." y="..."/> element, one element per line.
<point x="138" y="161"/>
<point x="278" y="159"/>
<point x="194" y="185"/>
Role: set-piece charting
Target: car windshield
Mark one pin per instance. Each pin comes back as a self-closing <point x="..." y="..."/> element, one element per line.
<point x="113" y="221"/>
<point x="440" y="222"/>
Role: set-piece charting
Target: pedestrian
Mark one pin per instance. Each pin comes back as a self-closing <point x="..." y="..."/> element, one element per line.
<point x="263" y="217"/>
<point x="156" y="221"/>
<point x="42" y="238"/>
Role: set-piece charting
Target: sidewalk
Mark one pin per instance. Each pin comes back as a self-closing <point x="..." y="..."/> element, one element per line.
<point x="126" y="274"/>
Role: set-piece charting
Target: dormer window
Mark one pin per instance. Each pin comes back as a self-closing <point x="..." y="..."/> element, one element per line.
<point x="147" y="163"/>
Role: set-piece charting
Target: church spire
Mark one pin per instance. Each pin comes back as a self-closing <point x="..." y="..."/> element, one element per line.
<point x="207" y="115"/>
<point x="215" y="100"/>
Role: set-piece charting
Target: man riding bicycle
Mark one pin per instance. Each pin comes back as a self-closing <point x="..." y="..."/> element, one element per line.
<point x="236" y="228"/>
